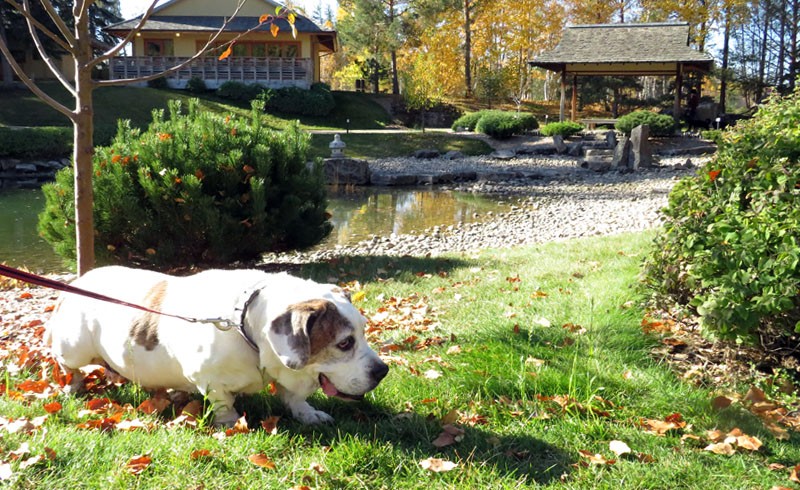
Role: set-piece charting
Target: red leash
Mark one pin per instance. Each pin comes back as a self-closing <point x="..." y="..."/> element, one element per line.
<point x="60" y="286"/>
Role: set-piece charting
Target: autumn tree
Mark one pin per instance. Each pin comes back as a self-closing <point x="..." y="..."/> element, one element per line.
<point x="75" y="37"/>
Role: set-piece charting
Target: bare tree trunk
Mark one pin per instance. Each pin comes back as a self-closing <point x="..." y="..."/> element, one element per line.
<point x="762" y="57"/>
<point x="793" y="47"/>
<point x="726" y="41"/>
<point x="83" y="124"/>
<point x="467" y="50"/>
<point x="395" y="81"/>
<point x="8" y="76"/>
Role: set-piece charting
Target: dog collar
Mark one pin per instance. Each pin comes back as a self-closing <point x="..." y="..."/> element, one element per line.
<point x="249" y="296"/>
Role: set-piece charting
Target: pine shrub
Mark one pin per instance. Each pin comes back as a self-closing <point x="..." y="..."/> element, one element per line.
<point x="660" y="124"/>
<point x="497" y="124"/>
<point x="195" y="188"/>
<point x="317" y="101"/>
<point x="238" y="91"/>
<point x="730" y="248"/>
<point x="563" y="128"/>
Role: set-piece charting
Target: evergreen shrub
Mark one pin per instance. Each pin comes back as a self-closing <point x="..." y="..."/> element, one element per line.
<point x="497" y="124"/>
<point x="40" y="142"/>
<point x="317" y="101"/>
<point x="195" y="188"/>
<point x="158" y="83"/>
<point x="730" y="247"/>
<point x="196" y="85"/>
<point x="238" y="91"/>
<point x="660" y="124"/>
<point x="563" y="128"/>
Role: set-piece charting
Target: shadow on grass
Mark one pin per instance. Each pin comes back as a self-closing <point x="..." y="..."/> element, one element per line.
<point x="514" y="456"/>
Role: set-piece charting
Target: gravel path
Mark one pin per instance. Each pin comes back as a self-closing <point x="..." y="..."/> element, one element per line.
<point x="551" y="198"/>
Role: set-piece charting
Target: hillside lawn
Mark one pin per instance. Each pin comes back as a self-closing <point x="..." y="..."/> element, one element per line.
<point x="515" y="368"/>
<point x="23" y="108"/>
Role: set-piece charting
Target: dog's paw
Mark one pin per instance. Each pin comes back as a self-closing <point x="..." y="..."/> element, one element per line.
<point x="310" y="416"/>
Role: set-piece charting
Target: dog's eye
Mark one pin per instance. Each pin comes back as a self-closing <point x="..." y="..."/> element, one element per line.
<point x="347" y="343"/>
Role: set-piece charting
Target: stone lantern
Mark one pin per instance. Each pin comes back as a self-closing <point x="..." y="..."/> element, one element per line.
<point x="337" y="147"/>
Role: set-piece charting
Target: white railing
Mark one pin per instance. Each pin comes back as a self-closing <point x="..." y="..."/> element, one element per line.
<point x="270" y="72"/>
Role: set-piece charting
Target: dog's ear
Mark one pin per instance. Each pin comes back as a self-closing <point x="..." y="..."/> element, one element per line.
<point x="290" y="333"/>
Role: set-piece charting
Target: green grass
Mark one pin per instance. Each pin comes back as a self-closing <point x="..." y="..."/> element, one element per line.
<point x="23" y="108"/>
<point x="495" y="334"/>
<point x="384" y="145"/>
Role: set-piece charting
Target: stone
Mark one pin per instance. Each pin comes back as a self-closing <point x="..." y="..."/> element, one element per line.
<point x="346" y="171"/>
<point x="575" y="149"/>
<point x="453" y="155"/>
<point x="558" y="142"/>
<point x="641" y="151"/>
<point x="426" y="153"/>
<point x="611" y="139"/>
<point x="392" y="179"/>
<point x="621" y="153"/>
<point x="25" y="167"/>
<point x="503" y="154"/>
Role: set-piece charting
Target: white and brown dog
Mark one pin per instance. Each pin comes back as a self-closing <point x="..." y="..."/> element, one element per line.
<point x="298" y="333"/>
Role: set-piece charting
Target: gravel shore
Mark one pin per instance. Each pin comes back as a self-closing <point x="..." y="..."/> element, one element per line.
<point x="549" y="197"/>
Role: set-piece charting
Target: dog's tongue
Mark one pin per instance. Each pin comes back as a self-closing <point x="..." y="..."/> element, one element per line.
<point x="327" y="387"/>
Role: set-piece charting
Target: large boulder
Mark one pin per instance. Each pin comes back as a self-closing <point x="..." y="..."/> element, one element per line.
<point x="346" y="171"/>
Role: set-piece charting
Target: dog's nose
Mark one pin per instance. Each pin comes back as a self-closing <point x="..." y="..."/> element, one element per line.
<point x="379" y="371"/>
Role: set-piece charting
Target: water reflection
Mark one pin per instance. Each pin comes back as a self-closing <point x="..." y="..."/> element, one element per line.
<point x="358" y="214"/>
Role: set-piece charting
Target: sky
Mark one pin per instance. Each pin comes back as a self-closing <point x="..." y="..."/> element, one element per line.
<point x="132" y="8"/>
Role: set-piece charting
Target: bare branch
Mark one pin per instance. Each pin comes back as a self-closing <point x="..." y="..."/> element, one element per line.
<point x="32" y="85"/>
<point x="208" y="46"/>
<point x="120" y="45"/>
<point x="48" y="60"/>
<point x="47" y="32"/>
<point x="59" y="22"/>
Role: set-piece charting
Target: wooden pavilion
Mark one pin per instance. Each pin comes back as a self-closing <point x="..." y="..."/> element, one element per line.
<point x="623" y="50"/>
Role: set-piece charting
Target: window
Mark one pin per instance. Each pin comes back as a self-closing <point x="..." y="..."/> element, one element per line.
<point x="158" y="47"/>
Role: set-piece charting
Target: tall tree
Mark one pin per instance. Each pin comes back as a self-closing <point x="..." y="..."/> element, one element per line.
<point x="74" y="37"/>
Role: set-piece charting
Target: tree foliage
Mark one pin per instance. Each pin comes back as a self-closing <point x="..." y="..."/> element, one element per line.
<point x="196" y="188"/>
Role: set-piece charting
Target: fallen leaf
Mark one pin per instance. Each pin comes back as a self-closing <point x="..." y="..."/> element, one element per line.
<point x="270" y="424"/>
<point x="793" y="474"/>
<point x="619" y="448"/>
<point x="432" y="374"/>
<point x="721" y="402"/>
<point x="200" y="453"/>
<point x="138" y="464"/>
<point x="750" y="443"/>
<point x="31" y="461"/>
<point x="449" y="436"/>
<point x="596" y="459"/>
<point x="721" y="448"/>
<point x="52" y="407"/>
<point x="240" y="427"/>
<point x="437" y="465"/>
<point x="261" y="460"/>
<point x="154" y="405"/>
<point x="5" y="471"/>
<point x="532" y="361"/>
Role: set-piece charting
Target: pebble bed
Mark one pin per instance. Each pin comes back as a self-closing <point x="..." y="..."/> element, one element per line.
<point x="551" y="198"/>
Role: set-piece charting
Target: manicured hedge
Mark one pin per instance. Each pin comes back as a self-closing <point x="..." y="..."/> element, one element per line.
<point x="497" y="124"/>
<point x="563" y="128"/>
<point x="660" y="124"/>
<point x="40" y="142"/>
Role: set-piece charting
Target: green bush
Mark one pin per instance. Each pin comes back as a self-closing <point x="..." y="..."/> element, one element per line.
<point x="239" y="91"/>
<point x="730" y="247"/>
<point x="41" y="142"/>
<point x="195" y="188"/>
<point x="467" y="121"/>
<point x="714" y="135"/>
<point x="318" y="101"/>
<point x="196" y="85"/>
<point x="660" y="124"/>
<point x="563" y="128"/>
<point x="497" y="124"/>
<point x="158" y="83"/>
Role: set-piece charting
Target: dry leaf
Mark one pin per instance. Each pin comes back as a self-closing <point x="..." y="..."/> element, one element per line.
<point x="449" y="436"/>
<point x="437" y="465"/>
<point x="154" y="405"/>
<point x="722" y="448"/>
<point x="270" y="424"/>
<point x="721" y="402"/>
<point x="619" y="448"/>
<point x="262" y="460"/>
<point x="432" y="374"/>
<point x="240" y="427"/>
<point x="138" y="464"/>
<point x="200" y="453"/>
<point x="596" y="459"/>
<point x="5" y="471"/>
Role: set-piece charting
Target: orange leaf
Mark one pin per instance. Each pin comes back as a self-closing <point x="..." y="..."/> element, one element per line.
<point x="138" y="464"/>
<point x="270" y="424"/>
<point x="437" y="465"/>
<point x="25" y="295"/>
<point x="240" y="427"/>
<point x="248" y="169"/>
<point x="274" y="30"/>
<point x="154" y="405"/>
<point x="712" y="175"/>
<point x="265" y="18"/>
<point x="200" y="453"/>
<point x="52" y="407"/>
<point x="226" y="53"/>
<point x="262" y="460"/>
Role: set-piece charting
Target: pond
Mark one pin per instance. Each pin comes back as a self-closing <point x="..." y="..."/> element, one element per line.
<point x="358" y="214"/>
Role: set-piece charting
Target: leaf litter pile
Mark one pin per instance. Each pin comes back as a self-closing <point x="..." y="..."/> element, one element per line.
<point x="402" y="329"/>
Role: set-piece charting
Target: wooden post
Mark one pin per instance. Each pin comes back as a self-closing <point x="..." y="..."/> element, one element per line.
<point x="676" y="108"/>
<point x="574" y="97"/>
<point x="563" y="94"/>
